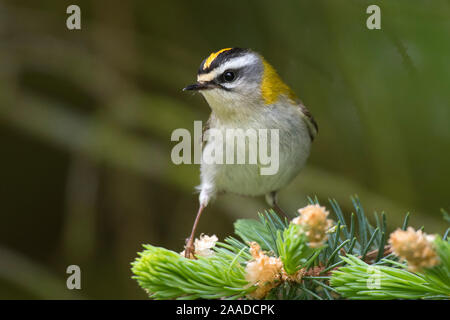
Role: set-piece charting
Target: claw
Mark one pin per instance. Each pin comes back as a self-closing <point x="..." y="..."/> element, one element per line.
<point x="189" y="249"/>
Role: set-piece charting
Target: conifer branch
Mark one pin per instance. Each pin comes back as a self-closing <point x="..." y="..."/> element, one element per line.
<point x="310" y="257"/>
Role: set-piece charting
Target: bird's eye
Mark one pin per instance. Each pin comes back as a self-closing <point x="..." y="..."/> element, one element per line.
<point x="228" y="76"/>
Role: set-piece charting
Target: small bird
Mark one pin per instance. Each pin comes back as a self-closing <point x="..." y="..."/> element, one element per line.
<point x="244" y="91"/>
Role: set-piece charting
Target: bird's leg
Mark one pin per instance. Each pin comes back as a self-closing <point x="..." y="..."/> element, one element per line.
<point x="189" y="249"/>
<point x="271" y="198"/>
<point x="280" y="211"/>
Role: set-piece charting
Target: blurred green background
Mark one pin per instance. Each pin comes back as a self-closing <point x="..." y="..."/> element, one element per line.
<point x="86" y="118"/>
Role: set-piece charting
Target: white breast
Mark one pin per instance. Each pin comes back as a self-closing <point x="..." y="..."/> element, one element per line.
<point x="246" y="179"/>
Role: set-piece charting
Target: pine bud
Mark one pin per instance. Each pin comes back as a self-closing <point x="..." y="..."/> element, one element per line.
<point x="314" y="219"/>
<point x="263" y="271"/>
<point x="416" y="247"/>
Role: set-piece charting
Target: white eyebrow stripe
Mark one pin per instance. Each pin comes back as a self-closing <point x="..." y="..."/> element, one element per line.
<point x="237" y="63"/>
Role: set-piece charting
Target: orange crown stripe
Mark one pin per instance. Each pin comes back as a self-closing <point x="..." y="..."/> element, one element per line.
<point x="212" y="57"/>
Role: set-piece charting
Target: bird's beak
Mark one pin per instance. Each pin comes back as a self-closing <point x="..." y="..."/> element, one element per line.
<point x="200" y="86"/>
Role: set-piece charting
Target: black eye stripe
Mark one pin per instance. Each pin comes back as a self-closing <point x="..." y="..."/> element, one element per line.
<point x="228" y="76"/>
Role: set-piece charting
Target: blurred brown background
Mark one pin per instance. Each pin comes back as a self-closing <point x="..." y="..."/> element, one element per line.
<point x="86" y="118"/>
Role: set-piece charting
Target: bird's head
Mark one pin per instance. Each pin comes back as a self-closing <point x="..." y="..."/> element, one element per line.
<point x="235" y="80"/>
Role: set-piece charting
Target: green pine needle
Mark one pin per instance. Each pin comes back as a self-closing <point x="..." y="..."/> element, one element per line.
<point x="165" y="274"/>
<point x="359" y="280"/>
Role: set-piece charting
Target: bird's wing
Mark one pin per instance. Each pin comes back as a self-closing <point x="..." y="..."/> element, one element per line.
<point x="313" y="128"/>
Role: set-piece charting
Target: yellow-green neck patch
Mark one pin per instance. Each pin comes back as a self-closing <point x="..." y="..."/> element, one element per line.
<point x="272" y="86"/>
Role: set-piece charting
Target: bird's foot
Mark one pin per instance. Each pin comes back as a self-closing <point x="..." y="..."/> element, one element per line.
<point x="189" y="249"/>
